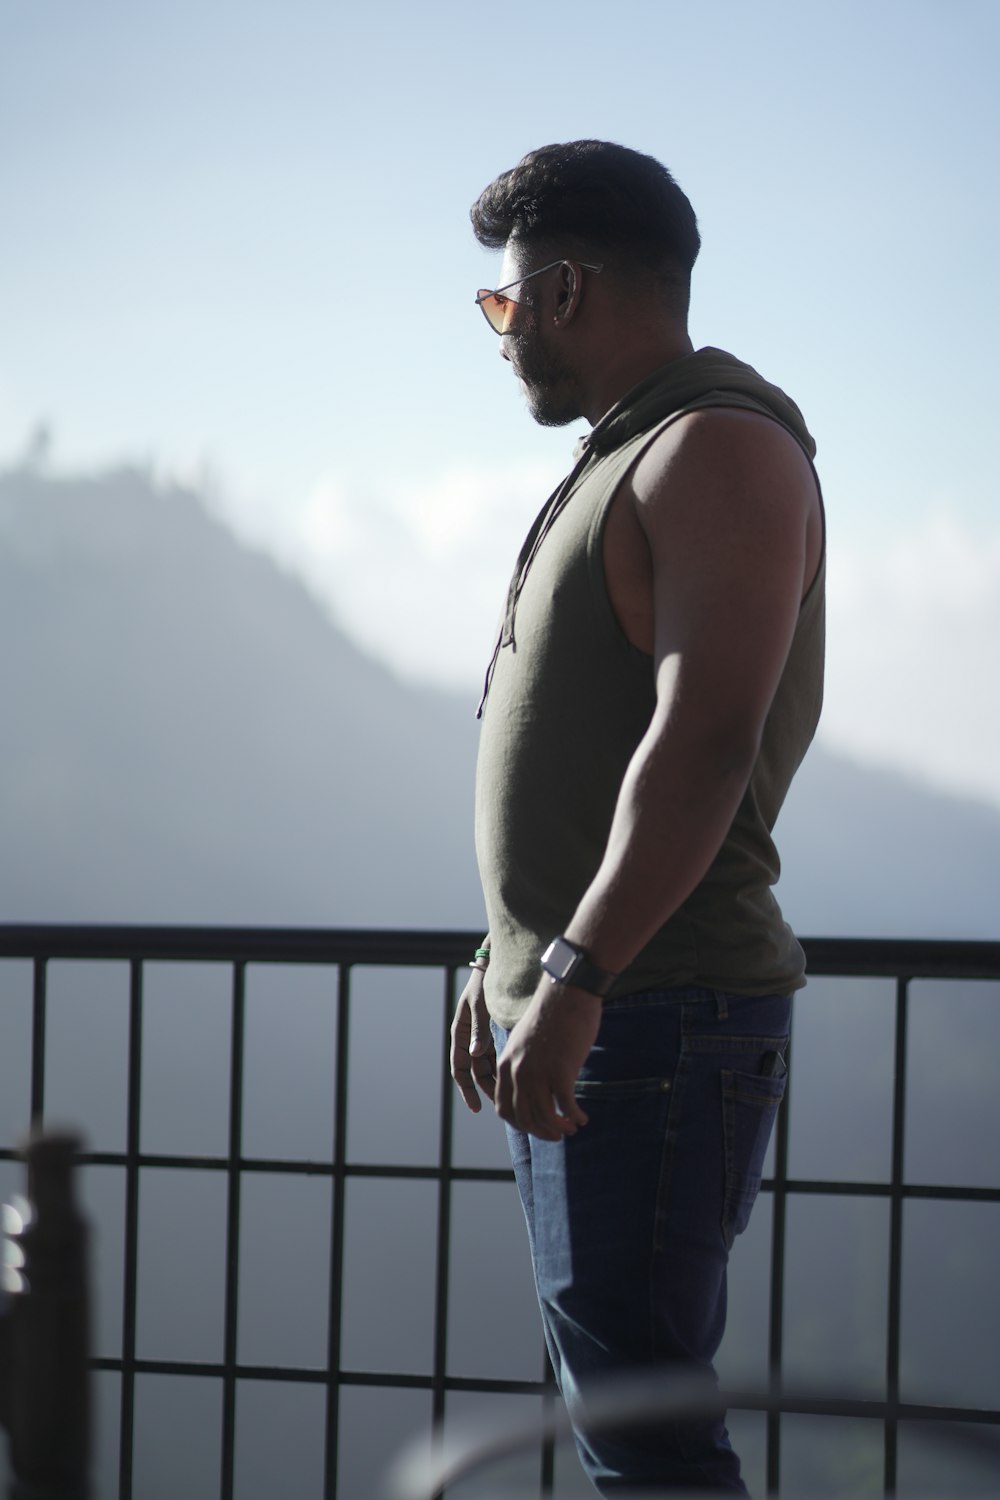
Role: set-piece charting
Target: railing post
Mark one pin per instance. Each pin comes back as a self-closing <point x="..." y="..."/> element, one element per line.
<point x="233" y="1229"/>
<point x="776" y="1329"/>
<point x="338" y="1200"/>
<point x="38" y="1018"/>
<point x="444" y="1216"/>
<point x="896" y="1238"/>
<point x="547" y="1476"/>
<point x="131" y="1269"/>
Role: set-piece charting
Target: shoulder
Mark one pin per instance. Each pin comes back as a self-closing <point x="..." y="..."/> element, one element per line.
<point x="725" y="481"/>
<point x="725" y="448"/>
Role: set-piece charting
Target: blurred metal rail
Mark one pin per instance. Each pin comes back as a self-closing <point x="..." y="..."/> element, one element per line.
<point x="422" y="1473"/>
<point x="447" y="951"/>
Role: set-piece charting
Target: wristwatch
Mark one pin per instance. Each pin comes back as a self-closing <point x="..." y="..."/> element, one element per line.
<point x="565" y="963"/>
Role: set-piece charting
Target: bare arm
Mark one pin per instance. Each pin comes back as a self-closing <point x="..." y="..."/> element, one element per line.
<point x="730" y="514"/>
<point x="731" y="517"/>
<point x="473" y="1055"/>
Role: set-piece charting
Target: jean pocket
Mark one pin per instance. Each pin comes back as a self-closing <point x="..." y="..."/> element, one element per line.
<point x="749" y="1105"/>
<point x="620" y="1088"/>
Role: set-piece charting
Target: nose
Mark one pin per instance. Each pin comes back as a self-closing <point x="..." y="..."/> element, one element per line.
<point x="503" y="350"/>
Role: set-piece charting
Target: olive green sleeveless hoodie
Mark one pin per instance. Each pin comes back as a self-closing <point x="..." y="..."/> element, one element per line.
<point x="567" y="701"/>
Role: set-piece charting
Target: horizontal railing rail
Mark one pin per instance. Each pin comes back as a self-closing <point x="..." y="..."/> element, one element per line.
<point x="345" y="950"/>
<point x="914" y="958"/>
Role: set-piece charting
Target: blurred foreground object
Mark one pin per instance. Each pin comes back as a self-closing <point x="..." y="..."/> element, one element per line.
<point x="44" y="1328"/>
<point x="422" y="1470"/>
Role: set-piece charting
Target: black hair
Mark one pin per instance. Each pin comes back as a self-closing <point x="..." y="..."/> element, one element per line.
<point x="592" y="194"/>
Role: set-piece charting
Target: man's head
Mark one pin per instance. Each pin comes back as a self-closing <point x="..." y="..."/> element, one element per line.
<point x="580" y="205"/>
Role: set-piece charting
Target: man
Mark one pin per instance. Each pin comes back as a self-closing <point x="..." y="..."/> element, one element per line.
<point x="656" y="682"/>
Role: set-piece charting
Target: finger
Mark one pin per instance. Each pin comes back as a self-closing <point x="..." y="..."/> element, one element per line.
<point x="546" y="1127"/>
<point x="461" y="1023"/>
<point x="460" y="1061"/>
<point x="481" y="1034"/>
<point x="483" y="1071"/>
<point x="484" y="1060"/>
<point x="467" y="1088"/>
<point x="550" y="1114"/>
<point x="458" y="1054"/>
<point x="570" y="1111"/>
<point x="547" y="1123"/>
<point x="533" y="1109"/>
<point x="503" y="1093"/>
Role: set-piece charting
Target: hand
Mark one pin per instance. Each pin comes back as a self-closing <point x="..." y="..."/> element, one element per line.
<point x="542" y="1060"/>
<point x="473" y="1055"/>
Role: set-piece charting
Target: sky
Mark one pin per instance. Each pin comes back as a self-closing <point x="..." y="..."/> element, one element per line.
<point x="236" y="250"/>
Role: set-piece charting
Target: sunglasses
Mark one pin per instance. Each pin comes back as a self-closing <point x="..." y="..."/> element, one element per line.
<point x="494" y="305"/>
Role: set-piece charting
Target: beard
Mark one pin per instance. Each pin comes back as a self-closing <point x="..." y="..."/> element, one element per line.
<point x="548" y="384"/>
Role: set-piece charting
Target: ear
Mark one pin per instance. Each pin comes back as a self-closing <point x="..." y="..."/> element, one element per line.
<point x="568" y="287"/>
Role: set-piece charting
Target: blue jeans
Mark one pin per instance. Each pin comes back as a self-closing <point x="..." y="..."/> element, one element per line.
<point x="631" y="1220"/>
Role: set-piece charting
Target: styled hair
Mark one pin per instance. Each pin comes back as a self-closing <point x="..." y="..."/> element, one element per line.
<point x="592" y="193"/>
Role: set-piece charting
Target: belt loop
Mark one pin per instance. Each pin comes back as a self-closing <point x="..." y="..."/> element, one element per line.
<point x="721" y="1005"/>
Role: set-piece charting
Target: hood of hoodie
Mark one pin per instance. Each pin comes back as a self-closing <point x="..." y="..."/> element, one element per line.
<point x="691" y="378"/>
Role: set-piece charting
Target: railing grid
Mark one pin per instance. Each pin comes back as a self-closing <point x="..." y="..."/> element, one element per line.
<point x="343" y="951"/>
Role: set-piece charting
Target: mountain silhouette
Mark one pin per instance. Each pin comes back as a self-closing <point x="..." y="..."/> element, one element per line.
<point x="188" y="736"/>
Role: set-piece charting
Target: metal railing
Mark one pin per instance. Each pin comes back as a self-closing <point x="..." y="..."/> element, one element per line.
<point x="447" y="952"/>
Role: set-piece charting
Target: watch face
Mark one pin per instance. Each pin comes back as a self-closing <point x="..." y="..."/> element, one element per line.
<point x="559" y="959"/>
<point x="565" y="963"/>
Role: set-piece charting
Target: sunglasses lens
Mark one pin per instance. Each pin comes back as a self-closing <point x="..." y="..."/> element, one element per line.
<point x="494" y="308"/>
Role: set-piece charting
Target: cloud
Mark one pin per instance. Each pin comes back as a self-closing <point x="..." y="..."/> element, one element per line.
<point x="914" y="630"/>
<point x="418" y="575"/>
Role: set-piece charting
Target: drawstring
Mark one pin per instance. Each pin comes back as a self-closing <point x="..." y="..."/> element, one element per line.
<point x="702" y="384"/>
<point x="539" y="530"/>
